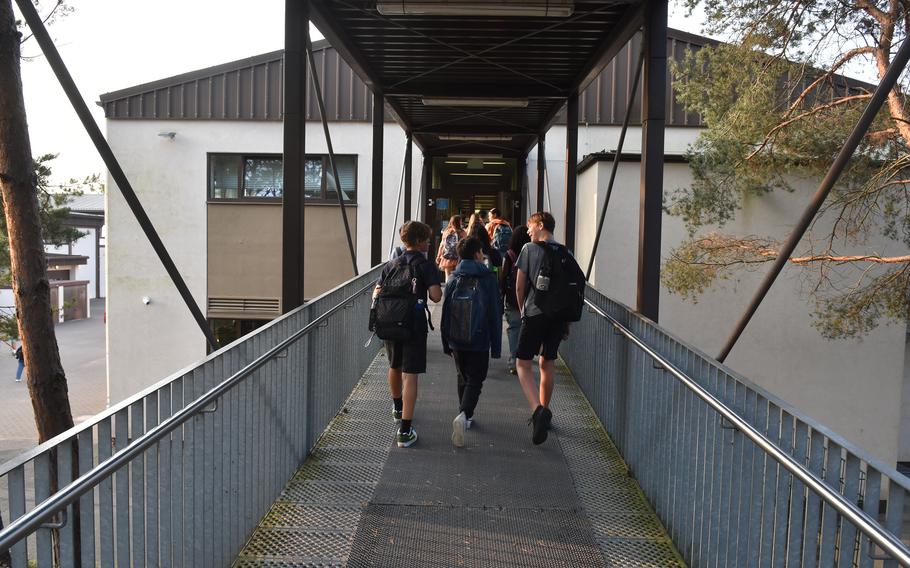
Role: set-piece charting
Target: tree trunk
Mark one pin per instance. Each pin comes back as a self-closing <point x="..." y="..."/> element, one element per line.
<point x="34" y="312"/>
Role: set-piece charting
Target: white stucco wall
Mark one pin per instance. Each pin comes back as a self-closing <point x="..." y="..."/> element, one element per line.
<point x="146" y="343"/>
<point x="854" y="387"/>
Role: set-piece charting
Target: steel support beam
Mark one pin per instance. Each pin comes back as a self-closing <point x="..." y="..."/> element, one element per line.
<point x="426" y="181"/>
<point x="541" y="170"/>
<point x="571" y="199"/>
<point x="296" y="18"/>
<point x="317" y="89"/>
<point x="652" y="159"/>
<point x="376" y="213"/>
<point x="818" y="199"/>
<point x="616" y="158"/>
<point x="408" y="157"/>
<point x="27" y="8"/>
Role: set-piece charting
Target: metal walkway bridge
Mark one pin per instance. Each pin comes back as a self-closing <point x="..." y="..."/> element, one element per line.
<point x="276" y="451"/>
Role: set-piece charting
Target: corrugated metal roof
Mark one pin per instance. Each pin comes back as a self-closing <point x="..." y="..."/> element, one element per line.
<point x="88" y="203"/>
<point x="251" y="89"/>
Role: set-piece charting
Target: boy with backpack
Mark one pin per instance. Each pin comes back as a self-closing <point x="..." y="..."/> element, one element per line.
<point x="400" y="316"/>
<point x="549" y="289"/>
<point x="500" y="231"/>
<point x="471" y="329"/>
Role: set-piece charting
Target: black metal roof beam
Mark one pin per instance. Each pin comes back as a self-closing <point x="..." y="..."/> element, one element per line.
<point x="503" y="90"/>
<point x="321" y="16"/>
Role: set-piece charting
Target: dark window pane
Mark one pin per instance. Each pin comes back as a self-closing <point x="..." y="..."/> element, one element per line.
<point x="347" y="171"/>
<point x="262" y="177"/>
<point x="224" y="175"/>
<point x="313" y="178"/>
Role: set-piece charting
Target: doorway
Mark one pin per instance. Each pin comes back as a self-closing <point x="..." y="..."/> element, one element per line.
<point x="463" y="185"/>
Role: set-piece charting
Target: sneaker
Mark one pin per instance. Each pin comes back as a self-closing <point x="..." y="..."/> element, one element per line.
<point x="468" y="423"/>
<point x="396" y="415"/>
<point x="540" y="421"/>
<point x="459" y="425"/>
<point x="406" y="439"/>
<point x="513" y="371"/>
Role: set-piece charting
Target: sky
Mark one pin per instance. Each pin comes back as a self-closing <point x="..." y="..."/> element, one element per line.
<point x="109" y="45"/>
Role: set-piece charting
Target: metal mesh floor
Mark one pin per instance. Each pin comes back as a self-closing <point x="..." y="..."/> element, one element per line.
<point x="499" y="502"/>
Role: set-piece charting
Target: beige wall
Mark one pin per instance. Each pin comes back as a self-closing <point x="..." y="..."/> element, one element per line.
<point x="244" y="251"/>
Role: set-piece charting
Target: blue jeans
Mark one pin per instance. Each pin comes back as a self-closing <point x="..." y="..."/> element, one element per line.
<point x="19" y="370"/>
<point x="513" y="319"/>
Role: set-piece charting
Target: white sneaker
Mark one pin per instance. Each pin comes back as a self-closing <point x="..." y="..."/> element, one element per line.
<point x="459" y="425"/>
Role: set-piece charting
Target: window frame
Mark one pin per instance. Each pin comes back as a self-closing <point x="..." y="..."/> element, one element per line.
<point x="242" y="157"/>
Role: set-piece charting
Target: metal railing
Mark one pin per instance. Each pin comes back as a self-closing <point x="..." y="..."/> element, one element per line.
<point x="181" y="473"/>
<point x="738" y="477"/>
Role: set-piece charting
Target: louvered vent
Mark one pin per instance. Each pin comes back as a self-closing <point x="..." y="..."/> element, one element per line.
<point x="235" y="305"/>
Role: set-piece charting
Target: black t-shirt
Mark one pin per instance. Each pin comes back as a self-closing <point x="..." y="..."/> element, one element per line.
<point x="427" y="275"/>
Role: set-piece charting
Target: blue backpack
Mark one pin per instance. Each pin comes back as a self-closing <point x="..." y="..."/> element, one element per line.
<point x="501" y="237"/>
<point x="468" y="312"/>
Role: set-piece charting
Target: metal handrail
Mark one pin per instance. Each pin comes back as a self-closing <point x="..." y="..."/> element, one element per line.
<point x="865" y="523"/>
<point x="73" y="432"/>
<point x="31" y="521"/>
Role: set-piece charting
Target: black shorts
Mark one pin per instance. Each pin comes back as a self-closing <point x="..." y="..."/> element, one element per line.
<point x="408" y="356"/>
<point x="539" y="335"/>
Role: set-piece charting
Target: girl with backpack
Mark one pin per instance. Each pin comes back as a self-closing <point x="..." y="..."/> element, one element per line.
<point x="507" y="280"/>
<point x="447" y="255"/>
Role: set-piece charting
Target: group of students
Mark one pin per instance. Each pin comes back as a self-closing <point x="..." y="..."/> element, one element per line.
<point x="530" y="278"/>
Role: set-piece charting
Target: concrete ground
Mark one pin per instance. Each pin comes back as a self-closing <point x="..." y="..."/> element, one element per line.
<point x="82" y="352"/>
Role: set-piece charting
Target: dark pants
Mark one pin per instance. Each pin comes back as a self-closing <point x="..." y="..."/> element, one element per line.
<point x="472" y="370"/>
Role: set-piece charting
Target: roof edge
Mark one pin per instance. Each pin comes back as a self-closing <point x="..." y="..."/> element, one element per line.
<point x="318" y="45"/>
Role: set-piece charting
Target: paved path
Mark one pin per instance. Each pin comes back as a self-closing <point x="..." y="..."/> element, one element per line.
<point x="498" y="502"/>
<point x="82" y="350"/>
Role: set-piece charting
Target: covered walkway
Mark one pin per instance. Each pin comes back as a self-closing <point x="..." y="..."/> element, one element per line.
<point x="501" y="501"/>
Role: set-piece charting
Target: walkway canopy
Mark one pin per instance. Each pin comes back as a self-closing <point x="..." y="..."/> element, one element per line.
<point x="456" y="72"/>
<point x="477" y="77"/>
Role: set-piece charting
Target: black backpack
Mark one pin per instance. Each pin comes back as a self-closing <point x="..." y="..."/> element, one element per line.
<point x="564" y="299"/>
<point x="394" y="308"/>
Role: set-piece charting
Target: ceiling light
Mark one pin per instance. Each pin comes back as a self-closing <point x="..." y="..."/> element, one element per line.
<point x="476" y="175"/>
<point x="474" y="102"/>
<point x="474" y="137"/>
<point x="469" y="156"/>
<point x="530" y="8"/>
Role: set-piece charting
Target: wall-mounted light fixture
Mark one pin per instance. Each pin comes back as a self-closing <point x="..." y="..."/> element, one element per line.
<point x="528" y="8"/>
<point x="169" y="135"/>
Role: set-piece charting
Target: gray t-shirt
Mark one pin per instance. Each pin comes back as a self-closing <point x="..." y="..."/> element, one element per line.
<point x="529" y="262"/>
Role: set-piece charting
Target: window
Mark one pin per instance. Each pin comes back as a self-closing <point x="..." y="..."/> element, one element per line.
<point x="260" y="177"/>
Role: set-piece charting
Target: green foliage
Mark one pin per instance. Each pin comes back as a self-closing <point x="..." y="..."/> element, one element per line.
<point x="777" y="115"/>
<point x="53" y="213"/>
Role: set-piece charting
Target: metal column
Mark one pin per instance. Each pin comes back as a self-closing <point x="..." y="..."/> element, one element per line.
<point x="426" y="181"/>
<point x="652" y="159"/>
<point x="571" y="169"/>
<point x="408" y="155"/>
<point x="292" y="246"/>
<point x="376" y="216"/>
<point x="541" y="171"/>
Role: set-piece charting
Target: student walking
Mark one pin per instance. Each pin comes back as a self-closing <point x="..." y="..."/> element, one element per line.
<point x="401" y="317"/>
<point x="507" y="279"/>
<point x="471" y="329"/>
<point x="500" y="231"/>
<point x="447" y="255"/>
<point x="550" y="290"/>
<point x="21" y="360"/>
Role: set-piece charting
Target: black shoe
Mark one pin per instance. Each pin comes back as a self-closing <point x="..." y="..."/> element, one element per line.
<point x="540" y="421"/>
